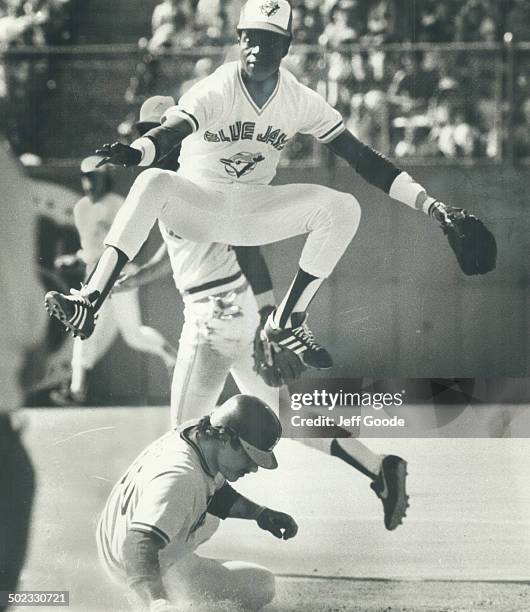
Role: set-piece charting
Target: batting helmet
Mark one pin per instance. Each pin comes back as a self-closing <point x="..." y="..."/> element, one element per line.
<point x="90" y="164"/>
<point x="151" y="112"/>
<point x="254" y="423"/>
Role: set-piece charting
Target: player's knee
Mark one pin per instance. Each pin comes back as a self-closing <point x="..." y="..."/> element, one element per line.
<point x="347" y="212"/>
<point x="153" y="180"/>
<point x="265" y="590"/>
<point x="256" y="585"/>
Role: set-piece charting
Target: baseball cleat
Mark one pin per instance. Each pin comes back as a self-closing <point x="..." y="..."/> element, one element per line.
<point x="390" y="487"/>
<point x="75" y="312"/>
<point x="300" y="340"/>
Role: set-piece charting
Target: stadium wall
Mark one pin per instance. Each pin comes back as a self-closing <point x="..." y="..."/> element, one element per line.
<point x="397" y="305"/>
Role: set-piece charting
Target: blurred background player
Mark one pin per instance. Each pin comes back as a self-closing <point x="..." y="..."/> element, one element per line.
<point x="93" y="215"/>
<point x="170" y="499"/>
<point x="221" y="314"/>
<point x="17" y="271"/>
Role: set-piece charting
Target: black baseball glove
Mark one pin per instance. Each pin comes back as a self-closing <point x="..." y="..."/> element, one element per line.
<point x="276" y="365"/>
<point x="119" y="154"/>
<point x="473" y="244"/>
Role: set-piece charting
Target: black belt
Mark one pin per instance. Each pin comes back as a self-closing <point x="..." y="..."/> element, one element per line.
<point x="215" y="283"/>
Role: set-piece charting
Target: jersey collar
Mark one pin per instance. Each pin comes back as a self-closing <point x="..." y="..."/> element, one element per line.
<point x="187" y="433"/>
<point x="257" y="109"/>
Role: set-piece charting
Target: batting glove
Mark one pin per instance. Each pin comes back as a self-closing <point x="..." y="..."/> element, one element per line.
<point x="281" y="525"/>
<point x="119" y="155"/>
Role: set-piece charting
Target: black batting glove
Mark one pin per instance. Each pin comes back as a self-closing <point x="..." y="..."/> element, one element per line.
<point x="281" y="525"/>
<point x="119" y="155"/>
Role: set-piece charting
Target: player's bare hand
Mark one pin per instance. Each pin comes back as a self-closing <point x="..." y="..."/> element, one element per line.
<point x="119" y="154"/>
<point x="280" y="524"/>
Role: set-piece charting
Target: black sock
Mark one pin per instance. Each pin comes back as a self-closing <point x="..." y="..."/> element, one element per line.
<point x="336" y="450"/>
<point x="302" y="290"/>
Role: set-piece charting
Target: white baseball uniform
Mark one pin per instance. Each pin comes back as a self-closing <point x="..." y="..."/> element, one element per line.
<point x="164" y="492"/>
<point x="122" y="311"/>
<point x="221" y="191"/>
<point x="211" y="346"/>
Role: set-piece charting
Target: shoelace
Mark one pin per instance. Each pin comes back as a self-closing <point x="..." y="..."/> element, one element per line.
<point x="306" y="335"/>
<point x="79" y="297"/>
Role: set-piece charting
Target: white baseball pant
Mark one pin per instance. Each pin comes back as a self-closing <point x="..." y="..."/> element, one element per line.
<point x="210" y="348"/>
<point x="239" y="214"/>
<point x="121" y="313"/>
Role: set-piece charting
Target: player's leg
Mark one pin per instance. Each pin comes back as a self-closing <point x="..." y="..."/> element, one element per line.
<point x="228" y="586"/>
<point x="330" y="219"/>
<point x="85" y="356"/>
<point x="127" y="315"/>
<point x="201" y="368"/>
<point x="149" y="196"/>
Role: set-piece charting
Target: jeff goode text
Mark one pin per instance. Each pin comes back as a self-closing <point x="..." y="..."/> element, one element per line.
<point x="368" y="420"/>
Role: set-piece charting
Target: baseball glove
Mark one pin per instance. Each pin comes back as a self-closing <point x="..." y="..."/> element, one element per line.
<point x="276" y="365"/>
<point x="472" y="243"/>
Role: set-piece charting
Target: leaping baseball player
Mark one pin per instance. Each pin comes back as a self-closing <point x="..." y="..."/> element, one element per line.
<point x="254" y="106"/>
<point x="93" y="216"/>
<point x="223" y="317"/>
<point x="170" y="501"/>
<point x="247" y="111"/>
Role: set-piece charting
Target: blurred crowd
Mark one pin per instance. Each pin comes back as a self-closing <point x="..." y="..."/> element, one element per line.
<point x="442" y="102"/>
<point x="34" y="22"/>
<point x="187" y="23"/>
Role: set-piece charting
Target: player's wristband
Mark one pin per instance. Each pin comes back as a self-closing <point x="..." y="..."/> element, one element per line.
<point x="406" y="190"/>
<point x="259" y="511"/>
<point x="147" y="148"/>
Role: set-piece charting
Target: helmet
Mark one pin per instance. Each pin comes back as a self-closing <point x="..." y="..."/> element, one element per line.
<point x="151" y="112"/>
<point x="254" y="423"/>
<point x="272" y="15"/>
<point x="90" y="164"/>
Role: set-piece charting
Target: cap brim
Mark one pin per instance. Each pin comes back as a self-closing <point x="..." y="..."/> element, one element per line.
<point x="260" y="25"/>
<point x="264" y="459"/>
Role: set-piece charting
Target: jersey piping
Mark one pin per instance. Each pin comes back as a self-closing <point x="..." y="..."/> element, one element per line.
<point x="259" y="110"/>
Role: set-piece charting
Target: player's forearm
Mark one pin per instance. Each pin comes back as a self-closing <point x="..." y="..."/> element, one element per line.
<point x="140" y="558"/>
<point x="255" y="268"/>
<point x="228" y="503"/>
<point x="380" y="172"/>
<point x="159" y="141"/>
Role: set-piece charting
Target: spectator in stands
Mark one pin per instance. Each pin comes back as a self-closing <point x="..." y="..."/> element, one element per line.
<point x="413" y="86"/>
<point x="173" y="24"/>
<point x="518" y="21"/>
<point x="435" y="21"/>
<point x="456" y="136"/>
<point x="521" y="134"/>
<point x="213" y="20"/>
<point x="474" y="21"/>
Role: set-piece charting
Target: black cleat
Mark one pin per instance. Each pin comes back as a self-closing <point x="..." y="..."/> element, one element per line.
<point x="301" y="341"/>
<point x="390" y="487"/>
<point x="75" y="312"/>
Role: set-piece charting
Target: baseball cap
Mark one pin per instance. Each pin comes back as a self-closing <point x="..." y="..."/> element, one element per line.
<point x="254" y="423"/>
<point x="272" y="15"/>
<point x="90" y="164"/>
<point x="152" y="110"/>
